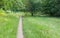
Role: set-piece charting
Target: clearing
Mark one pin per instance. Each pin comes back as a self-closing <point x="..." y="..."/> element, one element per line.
<point x="41" y="27"/>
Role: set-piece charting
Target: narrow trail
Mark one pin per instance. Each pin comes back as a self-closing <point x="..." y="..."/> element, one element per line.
<point x="20" y="31"/>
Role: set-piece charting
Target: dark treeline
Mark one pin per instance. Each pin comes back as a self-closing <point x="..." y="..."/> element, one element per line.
<point x="48" y="7"/>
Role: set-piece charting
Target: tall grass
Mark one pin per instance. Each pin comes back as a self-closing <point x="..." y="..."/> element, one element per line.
<point x="41" y="27"/>
<point x="8" y="26"/>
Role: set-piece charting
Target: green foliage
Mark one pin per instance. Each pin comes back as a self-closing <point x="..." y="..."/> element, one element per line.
<point x="50" y="7"/>
<point x="2" y="12"/>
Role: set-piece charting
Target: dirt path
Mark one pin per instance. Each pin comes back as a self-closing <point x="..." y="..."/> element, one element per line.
<point x="20" y="31"/>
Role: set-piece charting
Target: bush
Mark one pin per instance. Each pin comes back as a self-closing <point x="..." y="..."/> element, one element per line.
<point x="2" y="12"/>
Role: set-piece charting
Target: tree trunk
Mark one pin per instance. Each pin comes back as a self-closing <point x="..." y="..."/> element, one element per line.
<point x="51" y="14"/>
<point x="32" y="14"/>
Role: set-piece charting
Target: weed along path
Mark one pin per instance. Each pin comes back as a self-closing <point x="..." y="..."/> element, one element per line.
<point x="20" y="31"/>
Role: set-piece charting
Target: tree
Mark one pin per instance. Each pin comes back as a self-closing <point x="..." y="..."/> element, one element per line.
<point x="1" y="3"/>
<point x="50" y="7"/>
<point x="32" y="6"/>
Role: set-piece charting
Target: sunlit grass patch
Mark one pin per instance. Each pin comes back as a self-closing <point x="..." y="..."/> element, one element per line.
<point x="41" y="27"/>
<point x="2" y="13"/>
<point x="8" y="26"/>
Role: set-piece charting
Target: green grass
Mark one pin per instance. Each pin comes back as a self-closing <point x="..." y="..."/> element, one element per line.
<point x="8" y="26"/>
<point x="41" y="27"/>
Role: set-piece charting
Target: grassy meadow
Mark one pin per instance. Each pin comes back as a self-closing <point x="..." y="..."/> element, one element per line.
<point x="33" y="27"/>
<point x="41" y="27"/>
<point x="8" y="25"/>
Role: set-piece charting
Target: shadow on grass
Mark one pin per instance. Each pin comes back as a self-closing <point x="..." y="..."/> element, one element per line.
<point x="43" y="16"/>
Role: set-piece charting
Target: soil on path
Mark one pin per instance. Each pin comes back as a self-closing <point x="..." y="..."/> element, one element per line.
<point x="20" y="31"/>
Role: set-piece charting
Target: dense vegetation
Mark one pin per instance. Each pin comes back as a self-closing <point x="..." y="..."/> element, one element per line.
<point x="48" y="7"/>
<point x="41" y="25"/>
